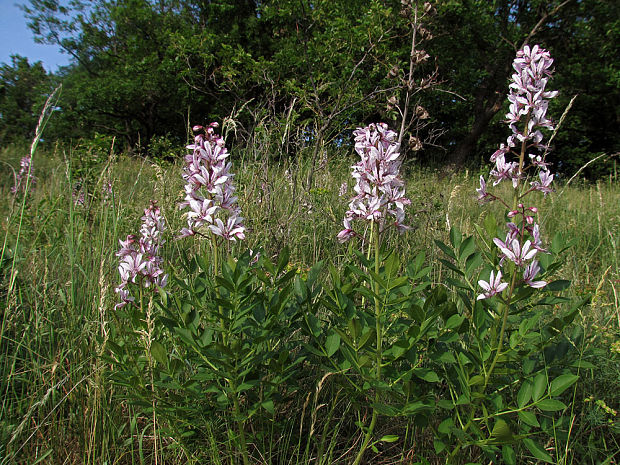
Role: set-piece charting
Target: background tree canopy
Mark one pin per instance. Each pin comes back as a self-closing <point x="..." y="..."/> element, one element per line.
<point x="303" y="73"/>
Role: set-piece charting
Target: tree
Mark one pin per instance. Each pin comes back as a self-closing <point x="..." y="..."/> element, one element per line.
<point x="126" y="78"/>
<point x="23" y="90"/>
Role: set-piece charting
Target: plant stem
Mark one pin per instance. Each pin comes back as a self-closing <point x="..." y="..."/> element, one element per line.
<point x="240" y="425"/>
<point x="515" y="201"/>
<point x="500" y="342"/>
<point x="379" y="357"/>
<point x="216" y="271"/>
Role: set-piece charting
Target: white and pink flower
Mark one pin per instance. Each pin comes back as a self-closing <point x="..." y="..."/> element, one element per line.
<point x="379" y="188"/>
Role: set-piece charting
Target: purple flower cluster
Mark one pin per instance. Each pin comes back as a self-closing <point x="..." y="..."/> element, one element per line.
<point x="139" y="256"/>
<point x="25" y="173"/>
<point x="379" y="189"/>
<point x="528" y="99"/>
<point x="209" y="192"/>
<point x="528" y="110"/>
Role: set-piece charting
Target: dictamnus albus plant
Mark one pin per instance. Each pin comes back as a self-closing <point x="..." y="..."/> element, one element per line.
<point x="501" y="388"/>
<point x="209" y="190"/>
<point x="140" y="262"/>
<point x="523" y="153"/>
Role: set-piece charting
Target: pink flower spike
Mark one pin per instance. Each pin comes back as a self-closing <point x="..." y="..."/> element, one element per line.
<point x="209" y="189"/>
<point x="493" y="287"/>
<point x="379" y="190"/>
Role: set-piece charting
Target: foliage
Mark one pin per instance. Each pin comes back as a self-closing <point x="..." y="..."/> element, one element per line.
<point x="304" y="71"/>
<point x="54" y="331"/>
<point x="24" y="87"/>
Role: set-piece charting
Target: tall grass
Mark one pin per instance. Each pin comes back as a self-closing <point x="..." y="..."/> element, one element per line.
<point x="59" y="271"/>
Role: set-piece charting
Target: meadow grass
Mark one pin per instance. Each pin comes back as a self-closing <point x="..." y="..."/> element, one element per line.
<point x="56" y="405"/>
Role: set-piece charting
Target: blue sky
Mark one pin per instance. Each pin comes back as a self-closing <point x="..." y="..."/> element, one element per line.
<point x="16" y="38"/>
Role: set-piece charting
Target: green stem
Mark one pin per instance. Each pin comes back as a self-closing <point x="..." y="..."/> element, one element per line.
<point x="379" y="355"/>
<point x="515" y="202"/>
<point x="502" y="331"/>
<point x="240" y="425"/>
<point x="216" y="271"/>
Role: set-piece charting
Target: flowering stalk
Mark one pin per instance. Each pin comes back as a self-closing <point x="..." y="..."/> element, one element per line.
<point x="380" y="194"/>
<point x="139" y="257"/>
<point x="209" y="192"/>
<point x="526" y="117"/>
<point x="379" y="188"/>
<point x="141" y="264"/>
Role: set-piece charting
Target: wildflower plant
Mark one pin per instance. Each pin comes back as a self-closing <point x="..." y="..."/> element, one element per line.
<point x="209" y="191"/>
<point x="232" y="318"/>
<point x="501" y="388"/>
<point x="139" y="337"/>
<point x="140" y="262"/>
<point x="378" y="316"/>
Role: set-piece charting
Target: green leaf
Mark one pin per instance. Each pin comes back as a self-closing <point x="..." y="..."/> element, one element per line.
<point x="268" y="405"/>
<point x="283" y="259"/>
<point x="455" y="237"/>
<point x="468" y="246"/>
<point x="366" y="336"/>
<point x="501" y="430"/>
<point x="312" y="349"/>
<point x="562" y="383"/>
<point x="385" y="409"/>
<point x="185" y="335"/>
<point x="528" y="365"/>
<point x="415" y="407"/>
<point x="332" y="344"/>
<point x="313" y="324"/>
<point x="426" y="374"/>
<point x="445" y="249"/>
<point x="301" y="289"/>
<point x="448" y="264"/>
<point x="445" y="404"/>
<point x="439" y="446"/>
<point x="454" y="321"/>
<point x="391" y="265"/>
<point x="446" y="426"/>
<point x="509" y="456"/>
<point x="558" y="285"/>
<point x="159" y="353"/>
<point x="525" y="394"/>
<point x="472" y="262"/>
<point x="490" y="225"/>
<point x="529" y="418"/>
<point x="583" y="364"/>
<point x="550" y="405"/>
<point x="314" y="272"/>
<point x="389" y="438"/>
<point x="540" y="385"/>
<point x="537" y="451"/>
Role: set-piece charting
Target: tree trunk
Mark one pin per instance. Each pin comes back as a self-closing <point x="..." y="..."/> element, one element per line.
<point x="463" y="151"/>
